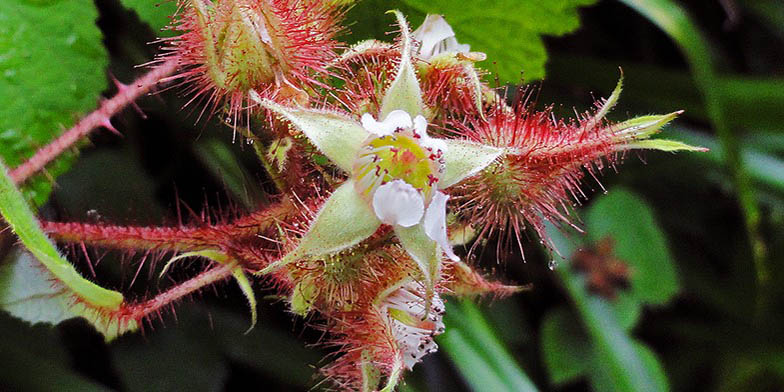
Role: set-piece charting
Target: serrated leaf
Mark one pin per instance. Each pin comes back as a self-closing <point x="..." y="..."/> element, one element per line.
<point x="156" y="13"/>
<point x="51" y="70"/>
<point x="627" y="219"/>
<point x="509" y="31"/>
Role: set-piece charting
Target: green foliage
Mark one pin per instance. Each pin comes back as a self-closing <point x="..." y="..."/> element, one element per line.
<point x="509" y="31"/>
<point x="628" y="220"/>
<point x="155" y="12"/>
<point x="24" y="290"/>
<point x="474" y="348"/>
<point x="51" y="71"/>
<point x="620" y="363"/>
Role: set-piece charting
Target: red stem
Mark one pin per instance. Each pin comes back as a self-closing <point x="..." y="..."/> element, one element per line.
<point x="139" y="310"/>
<point x="100" y="117"/>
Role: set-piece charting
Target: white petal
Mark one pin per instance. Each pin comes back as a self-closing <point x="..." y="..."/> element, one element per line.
<point x="398" y="119"/>
<point x="377" y="128"/>
<point x="433" y="32"/>
<point x="420" y="125"/>
<point x="398" y="203"/>
<point x="435" y="223"/>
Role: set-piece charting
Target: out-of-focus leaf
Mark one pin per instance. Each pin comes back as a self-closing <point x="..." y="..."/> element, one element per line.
<point x="629" y="222"/>
<point x="34" y="360"/>
<point x="564" y="347"/>
<point x="50" y="73"/>
<point x="472" y="345"/>
<point x="618" y="363"/>
<point x="673" y="20"/>
<point x="155" y="12"/>
<point x="763" y="168"/>
<point x="224" y="165"/>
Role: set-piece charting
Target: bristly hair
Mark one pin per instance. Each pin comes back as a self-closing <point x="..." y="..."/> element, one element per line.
<point x="279" y="48"/>
<point x="539" y="179"/>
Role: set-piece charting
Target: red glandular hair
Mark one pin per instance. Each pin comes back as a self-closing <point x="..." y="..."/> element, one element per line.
<point x="540" y="180"/>
<point x="277" y="47"/>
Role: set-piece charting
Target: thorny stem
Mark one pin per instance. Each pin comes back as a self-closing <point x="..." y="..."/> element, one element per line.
<point x="100" y="117"/>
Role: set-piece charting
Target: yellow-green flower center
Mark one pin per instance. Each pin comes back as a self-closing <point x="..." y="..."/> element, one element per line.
<point x="397" y="157"/>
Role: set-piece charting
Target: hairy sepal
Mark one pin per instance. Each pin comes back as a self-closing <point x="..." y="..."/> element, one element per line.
<point x="343" y="221"/>
<point x="425" y="252"/>
<point x="464" y="159"/>
<point x="404" y="92"/>
<point x="336" y="136"/>
<point x="236" y="271"/>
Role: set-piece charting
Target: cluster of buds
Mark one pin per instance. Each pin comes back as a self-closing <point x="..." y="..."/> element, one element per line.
<point x="410" y="133"/>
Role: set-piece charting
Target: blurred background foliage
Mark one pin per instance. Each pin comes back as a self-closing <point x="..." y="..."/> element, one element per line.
<point x="673" y="286"/>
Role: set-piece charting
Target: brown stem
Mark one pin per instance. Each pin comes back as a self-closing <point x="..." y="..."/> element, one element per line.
<point x="100" y="117"/>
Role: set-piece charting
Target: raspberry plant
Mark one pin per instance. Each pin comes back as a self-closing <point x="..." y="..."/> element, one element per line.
<point x="385" y="156"/>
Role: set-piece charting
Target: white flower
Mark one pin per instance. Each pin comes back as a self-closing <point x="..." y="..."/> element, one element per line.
<point x="437" y="36"/>
<point x="397" y="172"/>
<point x="413" y="332"/>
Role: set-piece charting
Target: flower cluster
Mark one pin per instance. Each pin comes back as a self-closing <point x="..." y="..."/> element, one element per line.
<point x="359" y="242"/>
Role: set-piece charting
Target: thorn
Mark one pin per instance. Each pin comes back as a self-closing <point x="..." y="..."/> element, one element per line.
<point x="121" y="89"/>
<point x="108" y="125"/>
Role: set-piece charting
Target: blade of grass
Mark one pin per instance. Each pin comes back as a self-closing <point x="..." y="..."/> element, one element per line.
<point x="474" y="348"/>
<point x="673" y="20"/>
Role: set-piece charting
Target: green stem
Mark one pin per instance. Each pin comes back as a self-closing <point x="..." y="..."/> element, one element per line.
<point x="673" y="19"/>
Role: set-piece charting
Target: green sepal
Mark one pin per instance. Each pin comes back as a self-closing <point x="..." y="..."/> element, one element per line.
<point x="343" y="221"/>
<point x="663" y="145"/>
<point x="644" y="126"/>
<point x="247" y="290"/>
<point x="608" y="104"/>
<point x="236" y="271"/>
<point x="24" y="223"/>
<point x="303" y="297"/>
<point x="336" y="136"/>
<point x="278" y="152"/>
<point x="425" y="253"/>
<point x="371" y="375"/>
<point x="404" y="92"/>
<point x="464" y="159"/>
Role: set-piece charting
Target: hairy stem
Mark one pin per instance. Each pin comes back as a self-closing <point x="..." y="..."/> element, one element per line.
<point x="139" y="310"/>
<point x="176" y="238"/>
<point x="100" y="117"/>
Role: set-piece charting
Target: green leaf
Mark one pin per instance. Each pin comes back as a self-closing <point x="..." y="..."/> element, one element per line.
<point x="337" y="136"/>
<point x="627" y="219"/>
<point x="155" y="12"/>
<point x="564" y="347"/>
<point x="404" y="92"/>
<point x="464" y="159"/>
<point x="472" y="345"/>
<point x="617" y="365"/>
<point x="51" y="71"/>
<point x="509" y="31"/>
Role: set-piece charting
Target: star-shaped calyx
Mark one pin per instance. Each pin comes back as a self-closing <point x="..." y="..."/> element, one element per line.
<point x="396" y="172"/>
